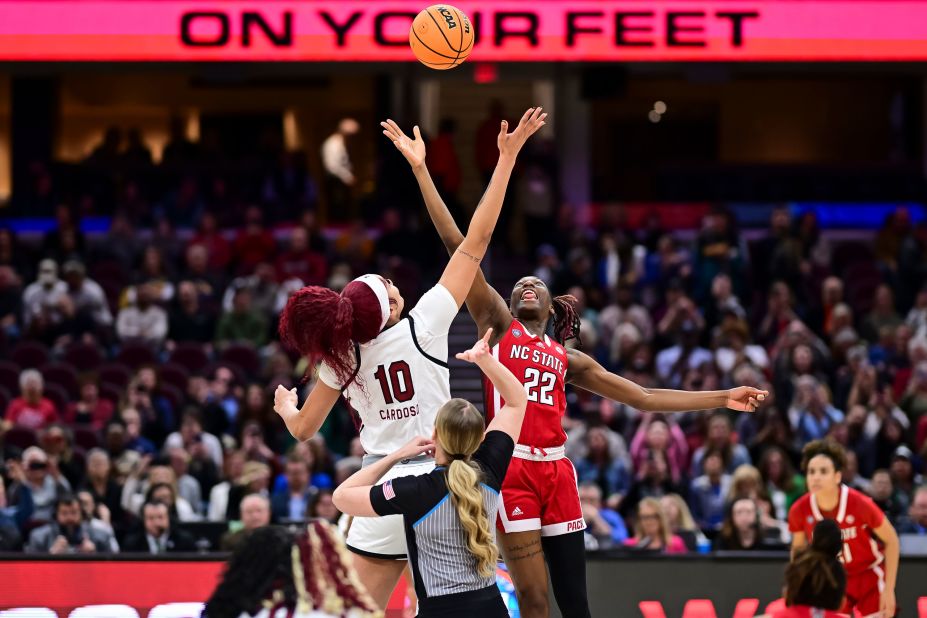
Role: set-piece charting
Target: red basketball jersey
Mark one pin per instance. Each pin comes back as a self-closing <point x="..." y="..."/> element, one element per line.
<point x="541" y="365"/>
<point x="803" y="611"/>
<point x="856" y="514"/>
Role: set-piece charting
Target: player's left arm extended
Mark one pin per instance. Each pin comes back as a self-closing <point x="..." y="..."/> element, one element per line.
<point x="589" y="375"/>
<point x="887" y="533"/>
<point x="353" y="495"/>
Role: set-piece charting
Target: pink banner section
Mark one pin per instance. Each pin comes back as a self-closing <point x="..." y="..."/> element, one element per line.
<point x="507" y="30"/>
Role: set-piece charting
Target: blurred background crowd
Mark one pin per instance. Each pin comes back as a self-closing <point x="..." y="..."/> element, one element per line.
<point x="139" y="349"/>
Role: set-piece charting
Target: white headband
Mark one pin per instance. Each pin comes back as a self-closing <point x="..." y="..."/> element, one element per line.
<point x="375" y="283"/>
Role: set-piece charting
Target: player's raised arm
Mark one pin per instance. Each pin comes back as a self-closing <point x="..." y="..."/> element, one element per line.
<point x="512" y="415"/>
<point x="488" y="308"/>
<point x="589" y="375"/>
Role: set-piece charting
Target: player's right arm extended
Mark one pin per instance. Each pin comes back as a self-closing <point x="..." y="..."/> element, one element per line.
<point x="303" y="423"/>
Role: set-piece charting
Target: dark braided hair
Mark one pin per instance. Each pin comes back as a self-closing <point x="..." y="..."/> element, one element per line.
<point x="815" y="576"/>
<point x="261" y="565"/>
<point x="566" y="320"/>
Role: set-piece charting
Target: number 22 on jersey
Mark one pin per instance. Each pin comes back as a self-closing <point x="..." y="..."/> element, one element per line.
<point x="539" y="385"/>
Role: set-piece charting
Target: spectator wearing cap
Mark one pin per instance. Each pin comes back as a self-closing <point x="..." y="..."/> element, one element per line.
<point x="144" y="321"/>
<point x="255" y="513"/>
<point x="86" y="295"/>
<point x="69" y="533"/>
<point x="43" y="299"/>
<point x="292" y="503"/>
<point x="158" y="534"/>
<point x="916" y="520"/>
<point x="242" y="324"/>
<point x="31" y="409"/>
<point x="904" y="476"/>
<point x="90" y="410"/>
<point x="43" y="481"/>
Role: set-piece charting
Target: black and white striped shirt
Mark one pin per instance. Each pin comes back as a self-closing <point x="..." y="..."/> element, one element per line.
<point x="441" y="562"/>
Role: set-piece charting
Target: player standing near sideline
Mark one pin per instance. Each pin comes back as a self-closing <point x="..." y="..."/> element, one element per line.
<point x="393" y="372"/>
<point x="870" y="588"/>
<point x="540" y="513"/>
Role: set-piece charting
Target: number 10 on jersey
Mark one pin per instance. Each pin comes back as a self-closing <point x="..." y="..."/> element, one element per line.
<point x="395" y="382"/>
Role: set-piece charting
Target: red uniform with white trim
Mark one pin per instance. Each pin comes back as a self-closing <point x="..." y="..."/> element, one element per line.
<point x="539" y="491"/>
<point x="857" y="515"/>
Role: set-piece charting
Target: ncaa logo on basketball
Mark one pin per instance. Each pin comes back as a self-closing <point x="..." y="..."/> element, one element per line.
<point x="516" y="332"/>
<point x="448" y="17"/>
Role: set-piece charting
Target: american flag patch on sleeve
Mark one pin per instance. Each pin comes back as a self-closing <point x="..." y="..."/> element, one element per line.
<point x="388" y="491"/>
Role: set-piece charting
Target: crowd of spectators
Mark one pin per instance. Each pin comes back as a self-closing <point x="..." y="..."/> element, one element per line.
<point x="138" y="366"/>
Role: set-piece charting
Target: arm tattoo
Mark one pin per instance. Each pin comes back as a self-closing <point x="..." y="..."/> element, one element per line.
<point x="472" y="257"/>
<point x="522" y="552"/>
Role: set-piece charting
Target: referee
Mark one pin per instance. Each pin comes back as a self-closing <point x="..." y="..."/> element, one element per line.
<point x="449" y="514"/>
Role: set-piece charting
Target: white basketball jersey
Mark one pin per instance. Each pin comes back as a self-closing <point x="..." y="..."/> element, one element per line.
<point x="405" y="376"/>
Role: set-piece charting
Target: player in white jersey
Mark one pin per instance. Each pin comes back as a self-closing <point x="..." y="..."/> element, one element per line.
<point x="393" y="371"/>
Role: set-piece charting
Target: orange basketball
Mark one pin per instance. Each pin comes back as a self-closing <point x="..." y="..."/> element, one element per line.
<point x="441" y="37"/>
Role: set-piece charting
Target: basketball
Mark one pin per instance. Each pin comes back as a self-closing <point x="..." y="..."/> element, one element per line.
<point x="441" y="37"/>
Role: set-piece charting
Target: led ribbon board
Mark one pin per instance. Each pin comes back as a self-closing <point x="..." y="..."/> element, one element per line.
<point x="507" y="30"/>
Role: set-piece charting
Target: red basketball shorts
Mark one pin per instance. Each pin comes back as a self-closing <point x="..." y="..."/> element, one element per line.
<point x="540" y="493"/>
<point x="864" y="591"/>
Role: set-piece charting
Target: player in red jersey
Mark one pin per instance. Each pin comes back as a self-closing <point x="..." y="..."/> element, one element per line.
<point x="815" y="581"/>
<point x="540" y="513"/>
<point x="871" y="574"/>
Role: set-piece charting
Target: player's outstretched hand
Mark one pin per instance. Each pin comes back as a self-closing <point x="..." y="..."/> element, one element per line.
<point x="284" y="401"/>
<point x="746" y="398"/>
<point x="419" y="445"/>
<point x="412" y="149"/>
<point x="510" y="143"/>
<point x="479" y="350"/>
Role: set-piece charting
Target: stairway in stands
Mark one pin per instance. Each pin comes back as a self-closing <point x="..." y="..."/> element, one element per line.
<point x="466" y="382"/>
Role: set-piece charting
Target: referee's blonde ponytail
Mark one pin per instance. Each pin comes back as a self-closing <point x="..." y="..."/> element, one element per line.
<point x="459" y="432"/>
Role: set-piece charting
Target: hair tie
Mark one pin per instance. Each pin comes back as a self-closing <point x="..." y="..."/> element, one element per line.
<point x="375" y="283"/>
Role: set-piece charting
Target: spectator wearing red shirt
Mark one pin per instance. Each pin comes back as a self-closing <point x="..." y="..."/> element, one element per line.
<point x="31" y="409"/>
<point x="209" y="236"/>
<point x="90" y="409"/>
<point x="301" y="262"/>
<point x="255" y="244"/>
